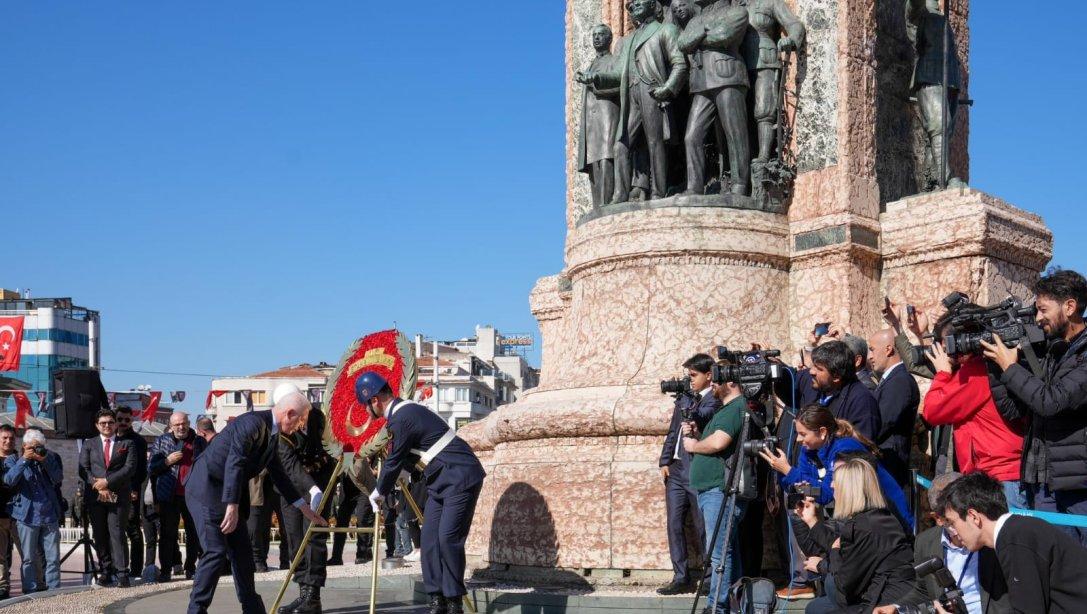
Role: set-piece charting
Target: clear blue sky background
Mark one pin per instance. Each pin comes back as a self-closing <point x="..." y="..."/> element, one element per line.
<point x="239" y="186"/>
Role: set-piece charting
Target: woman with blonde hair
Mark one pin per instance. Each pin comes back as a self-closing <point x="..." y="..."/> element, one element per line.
<point x="870" y="561"/>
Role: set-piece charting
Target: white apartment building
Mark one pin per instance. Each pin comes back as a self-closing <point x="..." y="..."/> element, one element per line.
<point x="231" y="396"/>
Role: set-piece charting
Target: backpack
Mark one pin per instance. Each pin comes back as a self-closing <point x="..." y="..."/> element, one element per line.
<point x="752" y="596"/>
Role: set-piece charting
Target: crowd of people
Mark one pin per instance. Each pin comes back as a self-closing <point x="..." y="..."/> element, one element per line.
<point x="999" y="428"/>
<point x="133" y="496"/>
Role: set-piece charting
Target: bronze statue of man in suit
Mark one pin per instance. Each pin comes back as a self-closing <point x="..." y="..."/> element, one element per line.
<point x="599" y="123"/>
<point x="649" y="72"/>
<point x="927" y="27"/>
<point x="719" y="91"/>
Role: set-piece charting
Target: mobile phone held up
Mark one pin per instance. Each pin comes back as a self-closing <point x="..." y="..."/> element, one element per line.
<point x="821" y="329"/>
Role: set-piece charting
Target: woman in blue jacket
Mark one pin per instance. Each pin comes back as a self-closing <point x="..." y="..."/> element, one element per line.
<point x="823" y="438"/>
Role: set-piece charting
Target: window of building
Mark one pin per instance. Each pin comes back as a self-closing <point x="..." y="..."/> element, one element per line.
<point x="461" y="394"/>
<point x="260" y="397"/>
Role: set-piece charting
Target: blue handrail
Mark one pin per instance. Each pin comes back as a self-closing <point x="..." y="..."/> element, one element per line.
<point x="1065" y="520"/>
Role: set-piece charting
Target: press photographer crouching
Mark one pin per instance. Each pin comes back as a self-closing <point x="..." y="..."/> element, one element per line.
<point x="1055" y="457"/>
<point x="973" y="577"/>
<point x="870" y="554"/>
<point x="713" y="453"/>
<point x="695" y="402"/>
<point x="1044" y="568"/>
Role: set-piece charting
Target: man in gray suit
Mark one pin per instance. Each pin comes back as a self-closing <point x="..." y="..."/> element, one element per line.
<point x="107" y="466"/>
<point x="719" y="90"/>
<point x="650" y="71"/>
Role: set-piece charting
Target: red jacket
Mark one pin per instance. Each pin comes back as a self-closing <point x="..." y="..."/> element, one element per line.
<point x="983" y="439"/>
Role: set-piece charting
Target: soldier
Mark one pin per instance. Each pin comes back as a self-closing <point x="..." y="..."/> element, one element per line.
<point x="719" y="89"/>
<point x="650" y="71"/>
<point x="774" y="30"/>
<point x="927" y="27"/>
<point x="453" y="476"/>
<point x="599" y="123"/>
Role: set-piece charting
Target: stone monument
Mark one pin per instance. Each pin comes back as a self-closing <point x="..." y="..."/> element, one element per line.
<point x="574" y="490"/>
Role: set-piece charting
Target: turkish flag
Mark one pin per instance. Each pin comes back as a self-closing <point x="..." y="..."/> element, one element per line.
<point x="22" y="409"/>
<point x="152" y="407"/>
<point x="11" y="343"/>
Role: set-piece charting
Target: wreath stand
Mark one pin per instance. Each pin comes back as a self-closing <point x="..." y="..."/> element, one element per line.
<point x="374" y="530"/>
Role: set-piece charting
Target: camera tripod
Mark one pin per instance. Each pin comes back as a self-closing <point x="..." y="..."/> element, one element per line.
<point x="90" y="567"/>
<point x="728" y="510"/>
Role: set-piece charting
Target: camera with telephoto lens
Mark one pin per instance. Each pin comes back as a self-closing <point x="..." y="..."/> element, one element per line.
<point x="951" y="596"/>
<point x="799" y="492"/>
<point x="676" y="386"/>
<point x="768" y="445"/>
<point x="970" y="326"/>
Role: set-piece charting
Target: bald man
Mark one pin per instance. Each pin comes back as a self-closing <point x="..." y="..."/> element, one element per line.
<point x="217" y="494"/>
<point x="898" y="397"/>
<point x="173" y="455"/>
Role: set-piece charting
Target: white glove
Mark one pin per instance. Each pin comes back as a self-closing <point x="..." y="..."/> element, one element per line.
<point x="375" y="498"/>
<point x="315" y="498"/>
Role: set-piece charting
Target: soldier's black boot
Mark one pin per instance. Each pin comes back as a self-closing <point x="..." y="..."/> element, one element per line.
<point x="456" y="605"/>
<point x="438" y="604"/>
<point x="308" y="602"/>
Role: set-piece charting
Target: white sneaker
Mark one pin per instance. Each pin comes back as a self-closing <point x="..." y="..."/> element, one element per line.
<point x="414" y="556"/>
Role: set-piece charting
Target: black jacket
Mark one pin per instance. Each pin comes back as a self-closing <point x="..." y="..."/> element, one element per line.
<point x="898" y="398"/>
<point x="706" y="408"/>
<point x="1055" y="449"/>
<point x="874" y="563"/>
<point x="140" y="445"/>
<point x="1043" y="566"/>
<point x="994" y="591"/>
<point x="855" y="403"/>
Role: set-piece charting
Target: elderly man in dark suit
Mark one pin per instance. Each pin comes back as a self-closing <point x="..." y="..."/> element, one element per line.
<point x="107" y="467"/>
<point x="217" y="493"/>
<point x="172" y="458"/>
<point x="649" y="71"/>
<point x="719" y="89"/>
<point x="675" y="464"/>
<point x="898" y="397"/>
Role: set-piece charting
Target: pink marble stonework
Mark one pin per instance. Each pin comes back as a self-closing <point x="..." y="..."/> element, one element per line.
<point x="574" y="491"/>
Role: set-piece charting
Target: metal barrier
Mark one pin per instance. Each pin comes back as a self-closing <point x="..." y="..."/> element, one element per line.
<point x="1064" y="520"/>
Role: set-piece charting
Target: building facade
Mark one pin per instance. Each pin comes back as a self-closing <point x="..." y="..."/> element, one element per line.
<point x="233" y="396"/>
<point x="57" y="334"/>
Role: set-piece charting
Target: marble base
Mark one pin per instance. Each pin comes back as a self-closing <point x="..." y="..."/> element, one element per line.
<point x="732" y="201"/>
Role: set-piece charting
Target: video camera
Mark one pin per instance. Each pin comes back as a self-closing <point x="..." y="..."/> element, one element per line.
<point x="768" y="444"/>
<point x="951" y="596"/>
<point x="676" y="385"/>
<point x="752" y="371"/>
<point x="970" y="326"/>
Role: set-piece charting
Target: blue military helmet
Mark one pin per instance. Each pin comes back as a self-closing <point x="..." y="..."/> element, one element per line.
<point x="367" y="386"/>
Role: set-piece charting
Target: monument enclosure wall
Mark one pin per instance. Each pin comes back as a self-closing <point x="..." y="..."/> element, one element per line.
<point x="574" y="483"/>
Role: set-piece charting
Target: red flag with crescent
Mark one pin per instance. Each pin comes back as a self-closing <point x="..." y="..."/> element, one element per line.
<point x="354" y="428"/>
<point x="11" y="343"/>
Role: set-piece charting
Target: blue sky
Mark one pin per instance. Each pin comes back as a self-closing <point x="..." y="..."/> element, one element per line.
<point x="238" y="186"/>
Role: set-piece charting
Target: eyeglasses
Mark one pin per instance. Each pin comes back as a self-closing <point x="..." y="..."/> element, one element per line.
<point x="106" y="423"/>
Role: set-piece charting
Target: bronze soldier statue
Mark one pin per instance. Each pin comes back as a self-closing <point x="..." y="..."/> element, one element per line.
<point x="650" y="70"/>
<point x="719" y="90"/>
<point x="937" y="104"/>
<point x="774" y="30"/>
<point x="599" y="123"/>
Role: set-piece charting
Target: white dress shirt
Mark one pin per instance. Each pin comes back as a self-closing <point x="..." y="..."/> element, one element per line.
<point x="963" y="566"/>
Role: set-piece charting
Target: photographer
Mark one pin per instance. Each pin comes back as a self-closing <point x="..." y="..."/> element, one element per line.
<point x="714" y="455"/>
<point x="1044" y="568"/>
<point x="824" y="438"/>
<point x="700" y="404"/>
<point x="1055" y="463"/>
<point x="870" y="554"/>
<point x="34" y="478"/>
<point x="834" y="375"/>
<point x="961" y="396"/>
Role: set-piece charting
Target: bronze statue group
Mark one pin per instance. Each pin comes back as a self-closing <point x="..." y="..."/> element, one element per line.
<point x="698" y="76"/>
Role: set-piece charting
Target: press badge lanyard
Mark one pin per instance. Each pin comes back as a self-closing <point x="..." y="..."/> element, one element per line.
<point x="965" y="567"/>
